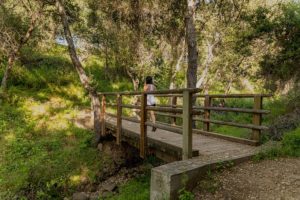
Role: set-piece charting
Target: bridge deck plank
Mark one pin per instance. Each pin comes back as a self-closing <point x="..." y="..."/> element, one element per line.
<point x="209" y="147"/>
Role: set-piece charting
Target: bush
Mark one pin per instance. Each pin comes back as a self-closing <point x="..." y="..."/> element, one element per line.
<point x="290" y="146"/>
<point x="185" y="195"/>
<point x="291" y="143"/>
<point x="283" y="124"/>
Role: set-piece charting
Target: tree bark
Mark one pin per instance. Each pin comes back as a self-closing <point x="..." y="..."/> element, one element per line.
<point x="9" y="66"/>
<point x="13" y="55"/>
<point x="191" y="40"/>
<point x="85" y="80"/>
<point x="209" y="60"/>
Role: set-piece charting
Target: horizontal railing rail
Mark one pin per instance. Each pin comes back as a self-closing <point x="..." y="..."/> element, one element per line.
<point x="184" y="111"/>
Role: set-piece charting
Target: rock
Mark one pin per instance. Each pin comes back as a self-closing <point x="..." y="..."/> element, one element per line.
<point x="94" y="196"/>
<point x="80" y="196"/>
<point x="100" y="147"/>
<point x="110" y="187"/>
<point x="105" y="194"/>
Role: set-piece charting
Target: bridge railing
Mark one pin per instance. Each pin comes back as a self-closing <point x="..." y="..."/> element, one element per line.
<point x="181" y="106"/>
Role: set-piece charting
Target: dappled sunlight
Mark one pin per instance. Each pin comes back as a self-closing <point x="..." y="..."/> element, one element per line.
<point x="10" y="137"/>
<point x="37" y="109"/>
<point x="80" y="178"/>
<point x="69" y="133"/>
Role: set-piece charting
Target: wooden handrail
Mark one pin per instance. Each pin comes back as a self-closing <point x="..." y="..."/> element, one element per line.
<point x="164" y="109"/>
<point x="233" y="95"/>
<point x="111" y="104"/>
<point x="164" y="127"/>
<point x="131" y="106"/>
<point x="186" y="111"/>
<point x="249" y="126"/>
<point x="168" y="115"/>
<point x="226" y="109"/>
<point x="132" y="119"/>
<point x="111" y="114"/>
<point x="178" y="93"/>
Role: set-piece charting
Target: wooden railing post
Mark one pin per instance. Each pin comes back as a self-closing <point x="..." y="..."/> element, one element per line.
<point x="143" y="128"/>
<point x="257" y="117"/>
<point x="207" y="103"/>
<point x="173" y="104"/>
<point x="103" y="107"/>
<point x="187" y="125"/>
<point x="119" y="119"/>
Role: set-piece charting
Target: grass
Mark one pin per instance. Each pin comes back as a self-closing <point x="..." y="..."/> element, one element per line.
<point x="41" y="152"/>
<point x="43" y="155"/>
<point x="289" y="146"/>
<point x="135" y="189"/>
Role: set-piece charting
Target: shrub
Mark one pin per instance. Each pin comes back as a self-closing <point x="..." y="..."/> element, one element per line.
<point x="185" y="195"/>
<point x="291" y="143"/>
<point x="283" y="124"/>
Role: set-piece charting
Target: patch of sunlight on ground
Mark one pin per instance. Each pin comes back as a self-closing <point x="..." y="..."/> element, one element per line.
<point x="10" y="137"/>
<point x="74" y="90"/>
<point x="37" y="109"/>
<point x="58" y="123"/>
<point x="79" y="178"/>
<point x="69" y="133"/>
<point x="52" y="115"/>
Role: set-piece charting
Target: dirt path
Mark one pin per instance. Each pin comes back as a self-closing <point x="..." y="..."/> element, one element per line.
<point x="268" y="179"/>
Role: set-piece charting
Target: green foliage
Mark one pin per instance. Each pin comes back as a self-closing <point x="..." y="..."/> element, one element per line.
<point x="289" y="146"/>
<point x="279" y="28"/>
<point x="32" y="157"/>
<point x="291" y="143"/>
<point x="136" y="189"/>
<point x="209" y="182"/>
<point x="185" y="195"/>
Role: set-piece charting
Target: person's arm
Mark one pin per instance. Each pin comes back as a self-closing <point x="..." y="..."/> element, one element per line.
<point x="145" y="88"/>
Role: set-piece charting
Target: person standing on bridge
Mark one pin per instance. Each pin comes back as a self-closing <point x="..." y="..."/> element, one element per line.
<point x="148" y="87"/>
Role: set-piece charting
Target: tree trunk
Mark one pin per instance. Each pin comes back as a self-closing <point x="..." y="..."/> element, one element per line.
<point x="191" y="40"/>
<point x="85" y="80"/>
<point x="9" y="66"/>
<point x="15" y="52"/>
<point x="209" y="59"/>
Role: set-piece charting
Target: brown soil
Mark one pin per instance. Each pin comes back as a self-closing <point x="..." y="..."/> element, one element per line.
<point x="267" y="179"/>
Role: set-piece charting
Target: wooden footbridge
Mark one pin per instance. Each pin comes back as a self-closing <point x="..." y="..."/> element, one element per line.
<point x="186" y="130"/>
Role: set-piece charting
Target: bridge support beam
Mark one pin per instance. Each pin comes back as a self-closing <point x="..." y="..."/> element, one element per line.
<point x="187" y="131"/>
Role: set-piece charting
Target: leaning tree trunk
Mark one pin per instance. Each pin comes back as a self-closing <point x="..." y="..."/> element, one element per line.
<point x="191" y="40"/>
<point x="85" y="80"/>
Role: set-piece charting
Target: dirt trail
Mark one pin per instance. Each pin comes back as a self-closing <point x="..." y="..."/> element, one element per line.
<point x="268" y="179"/>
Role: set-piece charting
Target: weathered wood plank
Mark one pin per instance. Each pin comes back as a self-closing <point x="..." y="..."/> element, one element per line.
<point x="143" y="126"/>
<point x="187" y="134"/>
<point x="257" y="118"/>
<point x="207" y="103"/>
<point x="249" y="126"/>
<point x="119" y="119"/>
<point x="241" y="110"/>
<point x="103" y="107"/>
